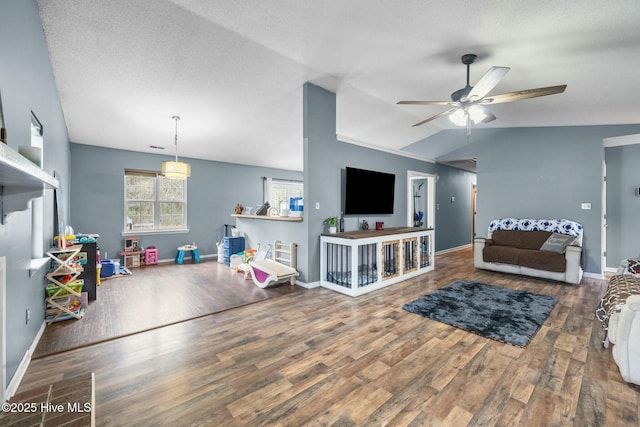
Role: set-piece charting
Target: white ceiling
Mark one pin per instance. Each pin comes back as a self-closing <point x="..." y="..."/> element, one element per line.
<point x="233" y="70"/>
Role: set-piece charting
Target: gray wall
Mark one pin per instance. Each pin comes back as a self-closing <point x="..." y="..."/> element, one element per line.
<point x="540" y="173"/>
<point x="325" y="159"/>
<point x="623" y="205"/>
<point x="27" y="84"/>
<point x="265" y="232"/>
<point x="453" y="219"/>
<point x="214" y="188"/>
<point x="92" y="191"/>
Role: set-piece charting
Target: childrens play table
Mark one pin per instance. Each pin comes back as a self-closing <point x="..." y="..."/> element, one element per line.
<point x="195" y="256"/>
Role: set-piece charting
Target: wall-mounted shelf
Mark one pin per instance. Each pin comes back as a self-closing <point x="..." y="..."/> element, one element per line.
<point x="270" y="218"/>
<point x="20" y="181"/>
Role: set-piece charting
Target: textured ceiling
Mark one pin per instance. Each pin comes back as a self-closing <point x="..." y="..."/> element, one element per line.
<point x="233" y="70"/>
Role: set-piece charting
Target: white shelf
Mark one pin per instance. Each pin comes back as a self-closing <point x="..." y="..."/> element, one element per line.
<point x="269" y="217"/>
<point x="21" y="180"/>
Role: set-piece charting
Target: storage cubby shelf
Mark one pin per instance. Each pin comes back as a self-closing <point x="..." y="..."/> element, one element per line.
<point x="61" y="302"/>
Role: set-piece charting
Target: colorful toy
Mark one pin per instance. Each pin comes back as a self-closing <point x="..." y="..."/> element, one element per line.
<point x="268" y="272"/>
<point x="151" y="255"/>
<point x="193" y="249"/>
<point x="248" y="255"/>
<point x="240" y="261"/>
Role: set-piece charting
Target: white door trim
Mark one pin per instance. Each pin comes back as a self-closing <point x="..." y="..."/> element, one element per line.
<point x="603" y="228"/>
<point x="431" y="193"/>
<point x="3" y="327"/>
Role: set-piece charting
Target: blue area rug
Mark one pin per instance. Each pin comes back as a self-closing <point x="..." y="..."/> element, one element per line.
<point x="502" y="314"/>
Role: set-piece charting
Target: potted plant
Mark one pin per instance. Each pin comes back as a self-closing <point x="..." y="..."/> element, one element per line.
<point x="332" y="222"/>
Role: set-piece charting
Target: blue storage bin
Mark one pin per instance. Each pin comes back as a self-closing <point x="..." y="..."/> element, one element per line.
<point x="296" y="204"/>
<point x="108" y="268"/>
<point x="232" y="245"/>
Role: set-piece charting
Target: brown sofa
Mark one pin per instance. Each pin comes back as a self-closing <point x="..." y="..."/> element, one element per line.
<point x="538" y="253"/>
<point x="523" y="248"/>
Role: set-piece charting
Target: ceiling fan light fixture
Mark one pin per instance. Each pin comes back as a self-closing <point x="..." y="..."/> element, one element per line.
<point x="176" y="169"/>
<point x="458" y="117"/>
<point x="477" y="114"/>
<point x="466" y="105"/>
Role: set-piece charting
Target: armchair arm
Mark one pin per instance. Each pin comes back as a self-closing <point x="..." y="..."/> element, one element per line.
<point x="478" y="246"/>
<point x="480" y="240"/>
<point x="573" y="255"/>
<point x="626" y="333"/>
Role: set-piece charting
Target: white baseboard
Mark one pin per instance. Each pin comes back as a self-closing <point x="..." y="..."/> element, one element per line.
<point x="593" y="275"/>
<point x="173" y="260"/>
<point x="457" y="248"/>
<point x="12" y="388"/>
<point x="612" y="270"/>
<point x="310" y="285"/>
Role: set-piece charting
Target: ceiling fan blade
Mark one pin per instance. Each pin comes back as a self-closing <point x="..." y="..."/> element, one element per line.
<point x="490" y="79"/>
<point x="445" y="103"/>
<point x="437" y="116"/>
<point x="524" y="94"/>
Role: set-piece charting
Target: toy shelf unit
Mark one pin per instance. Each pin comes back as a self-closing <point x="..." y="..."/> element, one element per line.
<point x="64" y="290"/>
<point x="133" y="259"/>
<point x="358" y="262"/>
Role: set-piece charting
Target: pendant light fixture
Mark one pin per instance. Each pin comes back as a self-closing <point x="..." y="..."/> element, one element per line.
<point x="176" y="170"/>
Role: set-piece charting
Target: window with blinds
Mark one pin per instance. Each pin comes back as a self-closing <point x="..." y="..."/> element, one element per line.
<point x="279" y="191"/>
<point x="153" y="202"/>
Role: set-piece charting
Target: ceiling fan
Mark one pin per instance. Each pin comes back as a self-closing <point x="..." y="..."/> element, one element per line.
<point x="468" y="104"/>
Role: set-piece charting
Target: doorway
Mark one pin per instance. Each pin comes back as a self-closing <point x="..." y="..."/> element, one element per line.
<point x="421" y="199"/>
<point x="474" y="191"/>
<point x="619" y="212"/>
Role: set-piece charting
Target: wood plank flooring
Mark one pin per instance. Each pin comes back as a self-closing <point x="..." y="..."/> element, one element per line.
<point x="320" y="358"/>
<point x="67" y="403"/>
<point x="152" y="297"/>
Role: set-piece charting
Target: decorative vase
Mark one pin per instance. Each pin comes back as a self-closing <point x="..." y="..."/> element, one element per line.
<point x="333" y="229"/>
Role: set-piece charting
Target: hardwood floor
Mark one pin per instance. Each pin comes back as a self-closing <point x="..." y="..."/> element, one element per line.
<point x="153" y="297"/>
<point x="321" y="358"/>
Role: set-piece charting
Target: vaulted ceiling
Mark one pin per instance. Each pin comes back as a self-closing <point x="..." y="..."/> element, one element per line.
<point x="233" y="69"/>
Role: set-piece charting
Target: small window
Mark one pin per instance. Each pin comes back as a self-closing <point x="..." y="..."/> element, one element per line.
<point x="153" y="202"/>
<point x="279" y="191"/>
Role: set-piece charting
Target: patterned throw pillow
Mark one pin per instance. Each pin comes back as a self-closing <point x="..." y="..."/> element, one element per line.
<point x="630" y="267"/>
<point x="633" y="265"/>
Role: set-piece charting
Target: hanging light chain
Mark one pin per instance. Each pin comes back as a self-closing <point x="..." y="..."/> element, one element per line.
<point x="176" y="118"/>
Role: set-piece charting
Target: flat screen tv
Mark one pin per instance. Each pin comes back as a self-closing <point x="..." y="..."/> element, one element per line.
<point x="368" y="192"/>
